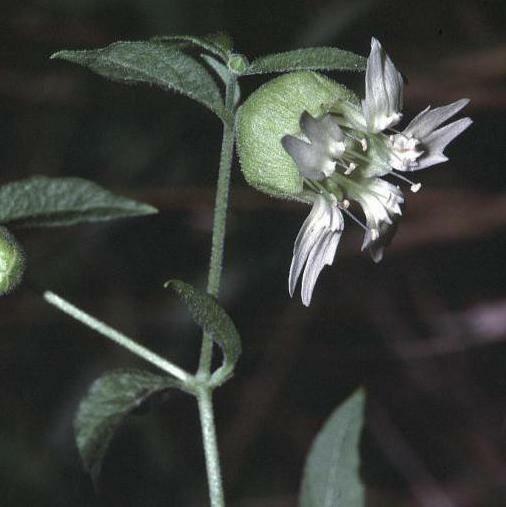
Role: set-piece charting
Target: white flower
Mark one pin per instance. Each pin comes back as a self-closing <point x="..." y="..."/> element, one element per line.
<point x="421" y="144"/>
<point x="342" y="157"/>
<point x="316" y="245"/>
<point x="321" y="144"/>
<point x="383" y="91"/>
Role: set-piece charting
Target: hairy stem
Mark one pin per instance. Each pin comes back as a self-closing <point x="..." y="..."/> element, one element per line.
<point x="118" y="337"/>
<point x="211" y="452"/>
<point x="219" y="221"/>
<point x="204" y="396"/>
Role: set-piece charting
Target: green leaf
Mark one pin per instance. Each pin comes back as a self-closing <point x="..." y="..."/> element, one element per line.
<point x="308" y="59"/>
<point x="331" y="475"/>
<point x="219" y="43"/>
<point x="213" y="319"/>
<point x="155" y="63"/>
<point x="42" y="201"/>
<point x="223" y="73"/>
<point x="110" y="399"/>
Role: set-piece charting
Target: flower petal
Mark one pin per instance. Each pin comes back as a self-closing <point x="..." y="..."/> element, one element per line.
<point x="316" y="245"/>
<point x="429" y="119"/>
<point x="383" y="90"/>
<point x="437" y="141"/>
<point x="310" y="232"/>
<point x="324" y="141"/>
<point x="321" y="255"/>
<point x="312" y="161"/>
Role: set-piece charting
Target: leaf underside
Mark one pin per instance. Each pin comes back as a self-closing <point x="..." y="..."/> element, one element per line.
<point x="43" y="201"/>
<point x="155" y="63"/>
<point x="213" y="319"/>
<point x="323" y="58"/>
<point x="110" y="399"/>
<point x="331" y="474"/>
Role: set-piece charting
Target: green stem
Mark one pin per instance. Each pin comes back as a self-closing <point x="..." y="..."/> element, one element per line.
<point x="219" y="220"/>
<point x="211" y="452"/>
<point x="204" y="395"/>
<point x="119" y="338"/>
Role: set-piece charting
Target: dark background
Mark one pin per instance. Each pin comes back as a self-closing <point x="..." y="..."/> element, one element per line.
<point x="424" y="330"/>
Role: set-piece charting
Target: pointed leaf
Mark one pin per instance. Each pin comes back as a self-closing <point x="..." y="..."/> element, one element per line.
<point x="155" y="63"/>
<point x="308" y="59"/>
<point x="218" y="43"/>
<point x="110" y="399"/>
<point x="213" y="319"/>
<point x="42" y="201"/>
<point x="331" y="475"/>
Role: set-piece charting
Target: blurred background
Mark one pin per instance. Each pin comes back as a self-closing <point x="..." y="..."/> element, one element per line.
<point x="424" y="330"/>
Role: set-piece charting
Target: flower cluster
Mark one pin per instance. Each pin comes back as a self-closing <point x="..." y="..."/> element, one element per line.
<point x="342" y="157"/>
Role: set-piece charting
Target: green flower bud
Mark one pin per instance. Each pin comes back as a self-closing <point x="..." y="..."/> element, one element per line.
<point x="12" y="262"/>
<point x="273" y="111"/>
<point x="238" y="64"/>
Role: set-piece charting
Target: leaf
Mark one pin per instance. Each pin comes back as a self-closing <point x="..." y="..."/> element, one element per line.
<point x="110" y="399"/>
<point x="223" y="73"/>
<point x="308" y="59"/>
<point x="331" y="476"/>
<point x="43" y="201"/>
<point x="219" y="43"/>
<point x="213" y="319"/>
<point x="154" y="63"/>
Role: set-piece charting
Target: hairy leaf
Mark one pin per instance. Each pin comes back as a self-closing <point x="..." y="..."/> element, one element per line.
<point x="331" y="475"/>
<point x="308" y="59"/>
<point x="154" y="63"/>
<point x="110" y="399"/>
<point x="219" y="43"/>
<point x="213" y="319"/>
<point x="43" y="201"/>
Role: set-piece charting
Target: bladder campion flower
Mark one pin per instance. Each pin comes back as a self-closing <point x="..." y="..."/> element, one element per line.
<point x="341" y="149"/>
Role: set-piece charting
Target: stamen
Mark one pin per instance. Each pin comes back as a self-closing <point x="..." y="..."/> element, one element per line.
<point x="353" y="217"/>
<point x="363" y="142"/>
<point x="415" y="187"/>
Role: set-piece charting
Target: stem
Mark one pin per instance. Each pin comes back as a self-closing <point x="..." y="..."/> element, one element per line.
<point x="204" y="395"/>
<point x="219" y="220"/>
<point x="214" y="480"/>
<point x="118" y="337"/>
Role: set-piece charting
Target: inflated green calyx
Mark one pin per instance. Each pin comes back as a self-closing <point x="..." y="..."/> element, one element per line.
<point x="273" y="111"/>
<point x="11" y="262"/>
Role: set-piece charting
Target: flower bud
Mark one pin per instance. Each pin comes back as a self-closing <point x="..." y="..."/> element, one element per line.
<point x="238" y="64"/>
<point x="273" y="111"/>
<point x="12" y="262"/>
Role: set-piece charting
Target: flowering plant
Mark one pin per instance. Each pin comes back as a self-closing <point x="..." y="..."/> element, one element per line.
<point x="300" y="136"/>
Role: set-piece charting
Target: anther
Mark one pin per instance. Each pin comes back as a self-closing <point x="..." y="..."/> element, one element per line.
<point x="350" y="168"/>
<point x="415" y="187"/>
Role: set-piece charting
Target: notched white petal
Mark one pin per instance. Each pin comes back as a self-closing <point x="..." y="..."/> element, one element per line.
<point x="422" y="143"/>
<point x="315" y="246"/>
<point x="320" y="143"/>
<point x="383" y="90"/>
<point x="429" y="119"/>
